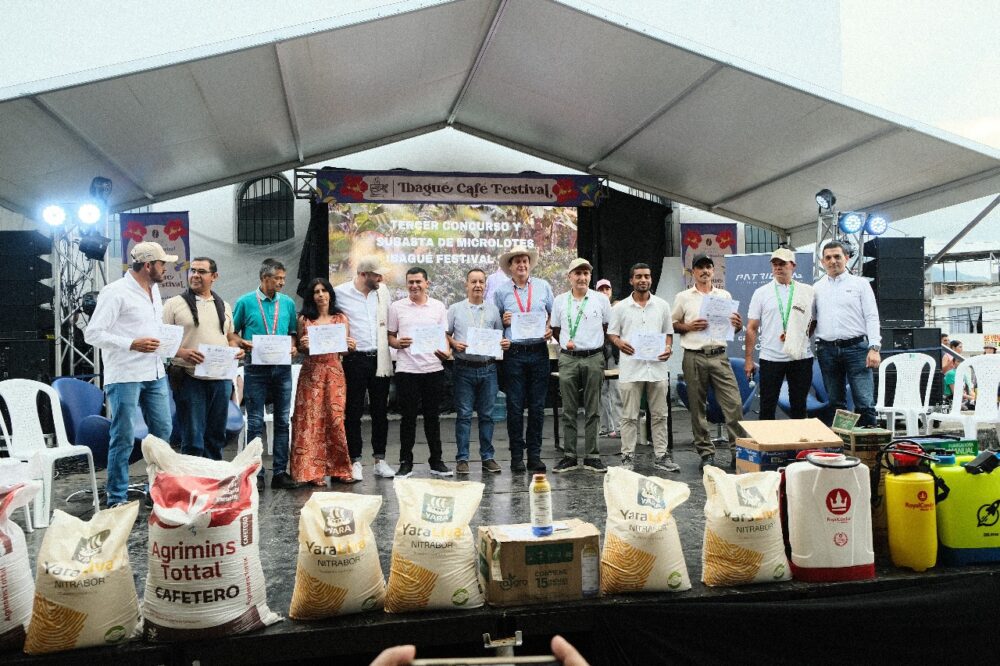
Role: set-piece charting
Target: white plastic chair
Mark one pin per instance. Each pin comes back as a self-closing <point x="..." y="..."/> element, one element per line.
<point x="13" y="472"/>
<point x="27" y="441"/>
<point x="985" y="370"/>
<point x="907" y="401"/>
<point x="269" y="416"/>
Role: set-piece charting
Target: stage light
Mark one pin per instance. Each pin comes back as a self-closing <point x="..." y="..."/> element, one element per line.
<point x="851" y="223"/>
<point x="825" y="199"/>
<point x="100" y="189"/>
<point x="876" y="225"/>
<point x="88" y="303"/>
<point x="54" y="215"/>
<point x="94" y="246"/>
<point x="89" y="213"/>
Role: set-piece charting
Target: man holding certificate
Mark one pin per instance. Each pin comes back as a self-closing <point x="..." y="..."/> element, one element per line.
<point x="525" y="304"/>
<point x="202" y="398"/>
<point x="265" y="321"/>
<point x="416" y="327"/>
<point x="580" y="318"/>
<point x="475" y="333"/>
<point x="705" y="362"/>
<point x="640" y="329"/>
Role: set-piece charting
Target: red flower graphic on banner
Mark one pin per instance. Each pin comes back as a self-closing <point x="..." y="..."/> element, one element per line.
<point x="135" y="231"/>
<point x="565" y="190"/>
<point x="692" y="239"/>
<point x="354" y="188"/>
<point x="174" y="229"/>
<point x="725" y="239"/>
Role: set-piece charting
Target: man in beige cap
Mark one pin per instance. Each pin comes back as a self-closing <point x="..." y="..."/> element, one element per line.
<point x="525" y="304"/>
<point x="580" y="319"/>
<point x="126" y="327"/>
<point x="779" y="316"/>
<point x="367" y="369"/>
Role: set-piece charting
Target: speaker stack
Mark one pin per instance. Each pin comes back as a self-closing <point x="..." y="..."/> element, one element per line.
<point x="896" y="267"/>
<point x="26" y="327"/>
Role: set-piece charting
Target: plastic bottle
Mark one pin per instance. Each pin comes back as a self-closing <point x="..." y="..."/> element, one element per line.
<point x="540" y="494"/>
<point x="912" y="519"/>
<point x="590" y="566"/>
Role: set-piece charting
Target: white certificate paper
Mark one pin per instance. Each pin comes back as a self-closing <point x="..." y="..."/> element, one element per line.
<point x="527" y="325"/>
<point x="170" y="340"/>
<point x="648" y="345"/>
<point x="272" y="350"/>
<point x="327" y="339"/>
<point x="717" y="310"/>
<point x="427" y="339"/>
<point x="484" y="342"/>
<point x="220" y="362"/>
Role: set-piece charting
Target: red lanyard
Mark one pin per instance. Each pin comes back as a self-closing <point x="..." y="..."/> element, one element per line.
<point x="518" y="297"/>
<point x="263" y="317"/>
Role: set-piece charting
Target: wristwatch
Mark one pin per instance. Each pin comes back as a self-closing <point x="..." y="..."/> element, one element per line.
<point x="875" y="348"/>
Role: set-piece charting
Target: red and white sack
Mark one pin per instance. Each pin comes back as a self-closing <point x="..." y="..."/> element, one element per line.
<point x="338" y="570"/>
<point x="17" y="586"/>
<point x="205" y="578"/>
<point x="84" y="589"/>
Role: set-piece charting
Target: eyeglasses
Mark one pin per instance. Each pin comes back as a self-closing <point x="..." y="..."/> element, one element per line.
<point x="200" y="271"/>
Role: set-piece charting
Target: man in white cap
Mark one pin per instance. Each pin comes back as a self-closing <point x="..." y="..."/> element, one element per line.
<point x="126" y="327"/>
<point x="779" y="317"/>
<point x="525" y="304"/>
<point x="580" y="319"/>
<point x="367" y="369"/>
<point x="611" y="401"/>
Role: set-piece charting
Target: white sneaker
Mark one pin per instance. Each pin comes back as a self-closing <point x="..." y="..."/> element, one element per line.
<point x="383" y="470"/>
<point x="357" y="472"/>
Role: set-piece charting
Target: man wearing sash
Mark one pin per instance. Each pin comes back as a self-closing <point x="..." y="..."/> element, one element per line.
<point x="263" y="312"/>
<point x="580" y="319"/>
<point x="525" y="304"/>
<point x="475" y="375"/>
<point x="202" y="402"/>
<point x="779" y="316"/>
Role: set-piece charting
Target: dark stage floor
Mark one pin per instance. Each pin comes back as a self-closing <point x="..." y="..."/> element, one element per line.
<point x="595" y="624"/>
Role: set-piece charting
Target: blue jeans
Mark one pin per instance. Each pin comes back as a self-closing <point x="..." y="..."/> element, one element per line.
<point x="474" y="388"/>
<point x="153" y="397"/>
<point x="259" y="383"/>
<point x="202" y="412"/>
<point x="526" y="381"/>
<point x="847" y="364"/>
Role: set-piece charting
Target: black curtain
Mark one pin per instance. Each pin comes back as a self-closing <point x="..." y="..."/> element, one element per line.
<point x="622" y="231"/>
<point x="315" y="259"/>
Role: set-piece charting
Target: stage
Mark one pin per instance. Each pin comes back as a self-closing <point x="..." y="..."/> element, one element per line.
<point x="898" y="616"/>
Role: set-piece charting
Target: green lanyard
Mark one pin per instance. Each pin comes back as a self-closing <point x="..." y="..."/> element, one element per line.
<point x="786" y="309"/>
<point x="573" y="326"/>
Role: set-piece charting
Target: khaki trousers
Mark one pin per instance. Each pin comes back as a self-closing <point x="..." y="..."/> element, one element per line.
<point x="700" y="372"/>
<point x="656" y="401"/>
<point x="576" y="372"/>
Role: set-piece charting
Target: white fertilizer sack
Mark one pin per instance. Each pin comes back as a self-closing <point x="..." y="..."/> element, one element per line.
<point x="642" y="547"/>
<point x="17" y="587"/>
<point x="205" y="578"/>
<point x="338" y="570"/>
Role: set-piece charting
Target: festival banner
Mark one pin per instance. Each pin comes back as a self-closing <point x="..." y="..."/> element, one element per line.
<point x="335" y="186"/>
<point x="717" y="240"/>
<point x="745" y="273"/>
<point x="170" y="230"/>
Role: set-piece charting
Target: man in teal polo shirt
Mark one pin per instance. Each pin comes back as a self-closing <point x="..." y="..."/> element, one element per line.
<point x="265" y="311"/>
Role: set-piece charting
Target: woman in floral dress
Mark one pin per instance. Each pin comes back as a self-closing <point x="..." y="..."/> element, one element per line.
<point x="319" y="444"/>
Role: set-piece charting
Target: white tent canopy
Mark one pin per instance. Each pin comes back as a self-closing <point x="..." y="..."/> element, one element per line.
<point x="569" y="84"/>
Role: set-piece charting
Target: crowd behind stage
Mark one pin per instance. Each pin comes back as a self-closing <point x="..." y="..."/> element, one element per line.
<point x="497" y="337"/>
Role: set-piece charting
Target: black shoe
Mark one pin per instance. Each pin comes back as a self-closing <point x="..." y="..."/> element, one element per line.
<point x="148" y="501"/>
<point x="283" y="481"/>
<point x="536" y="466"/>
<point x="706" y="461"/>
<point x="517" y="466"/>
<point x="565" y="465"/>
<point x="260" y="482"/>
<point x="732" y="463"/>
<point x="438" y="468"/>
<point x="595" y="465"/>
<point x="405" y="469"/>
<point x="490" y="466"/>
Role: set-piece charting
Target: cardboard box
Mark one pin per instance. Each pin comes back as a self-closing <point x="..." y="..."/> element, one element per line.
<point x="863" y="442"/>
<point x="774" y="444"/>
<point x="517" y="568"/>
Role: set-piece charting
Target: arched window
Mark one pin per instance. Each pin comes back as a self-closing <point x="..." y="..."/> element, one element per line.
<point x="265" y="211"/>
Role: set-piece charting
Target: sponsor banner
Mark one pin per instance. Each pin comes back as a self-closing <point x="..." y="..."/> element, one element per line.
<point x="333" y="186"/>
<point x="717" y="240"/>
<point x="747" y="272"/>
<point x="171" y="231"/>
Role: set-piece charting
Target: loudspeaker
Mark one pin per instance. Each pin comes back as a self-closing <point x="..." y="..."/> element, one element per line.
<point x="884" y="247"/>
<point x="26" y="359"/>
<point x="894" y="339"/>
<point x="21" y="292"/>
<point x="24" y="243"/>
<point x="896" y="267"/>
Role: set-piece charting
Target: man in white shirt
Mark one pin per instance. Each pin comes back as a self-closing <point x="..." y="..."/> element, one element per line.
<point x="848" y="338"/>
<point x="126" y="327"/>
<point x="705" y="362"/>
<point x="643" y="313"/>
<point x="580" y="318"/>
<point x="419" y="375"/>
<point x="367" y="369"/>
<point x="779" y="316"/>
